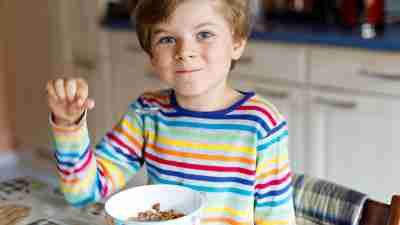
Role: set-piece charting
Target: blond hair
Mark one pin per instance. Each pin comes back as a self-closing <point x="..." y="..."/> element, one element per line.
<point x="149" y="13"/>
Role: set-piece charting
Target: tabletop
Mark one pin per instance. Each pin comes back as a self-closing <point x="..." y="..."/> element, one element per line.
<point x="28" y="201"/>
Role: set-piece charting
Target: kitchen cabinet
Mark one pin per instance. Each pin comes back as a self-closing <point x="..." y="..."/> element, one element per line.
<point x="356" y="141"/>
<point x="359" y="70"/>
<point x="288" y="61"/>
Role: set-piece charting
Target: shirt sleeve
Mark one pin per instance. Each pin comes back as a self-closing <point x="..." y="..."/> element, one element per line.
<point x="273" y="188"/>
<point x="89" y="173"/>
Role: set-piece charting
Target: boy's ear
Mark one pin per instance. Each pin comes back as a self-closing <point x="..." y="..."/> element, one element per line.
<point x="238" y="48"/>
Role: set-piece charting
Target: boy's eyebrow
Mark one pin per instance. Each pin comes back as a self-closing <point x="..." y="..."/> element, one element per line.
<point x="205" y="24"/>
<point x="160" y="30"/>
<point x="157" y="31"/>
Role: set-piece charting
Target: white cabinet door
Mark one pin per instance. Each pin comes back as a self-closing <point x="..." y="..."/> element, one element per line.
<point x="290" y="102"/>
<point x="354" y="141"/>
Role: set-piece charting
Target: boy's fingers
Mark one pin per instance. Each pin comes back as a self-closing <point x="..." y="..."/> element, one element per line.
<point x="59" y="87"/>
<point x="51" y="92"/>
<point x="82" y="91"/>
<point x="71" y="89"/>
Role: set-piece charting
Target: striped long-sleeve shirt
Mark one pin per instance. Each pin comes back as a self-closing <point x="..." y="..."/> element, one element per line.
<point x="237" y="156"/>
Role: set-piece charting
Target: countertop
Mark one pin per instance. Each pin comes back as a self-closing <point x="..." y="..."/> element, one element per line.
<point x="306" y="34"/>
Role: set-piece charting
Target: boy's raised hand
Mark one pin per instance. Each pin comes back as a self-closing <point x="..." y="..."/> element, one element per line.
<point x="68" y="99"/>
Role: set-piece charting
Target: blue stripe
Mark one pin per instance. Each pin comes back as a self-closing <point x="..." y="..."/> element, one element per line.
<point x="71" y="164"/>
<point x="71" y="149"/>
<point x="274" y="203"/>
<point x="200" y="177"/>
<point x="226" y="117"/>
<point x="198" y="188"/>
<point x="73" y="154"/>
<point x="112" y="156"/>
<point x="251" y="129"/>
<point x="275" y="140"/>
<point x="274" y="192"/>
<point x="99" y="185"/>
<point x="277" y="128"/>
<point x="118" y="150"/>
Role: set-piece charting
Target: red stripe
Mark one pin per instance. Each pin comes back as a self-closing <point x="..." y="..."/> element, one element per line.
<point x="263" y="111"/>
<point x="199" y="167"/>
<point x="121" y="143"/>
<point x="152" y="100"/>
<point x="77" y="170"/>
<point x="274" y="182"/>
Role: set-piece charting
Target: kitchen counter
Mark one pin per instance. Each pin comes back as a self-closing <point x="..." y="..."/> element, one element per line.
<point x="306" y="34"/>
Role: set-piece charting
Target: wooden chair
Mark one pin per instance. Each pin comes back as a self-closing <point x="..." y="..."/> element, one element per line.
<point x="378" y="213"/>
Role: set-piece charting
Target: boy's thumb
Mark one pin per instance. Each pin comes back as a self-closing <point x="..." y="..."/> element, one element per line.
<point x="89" y="104"/>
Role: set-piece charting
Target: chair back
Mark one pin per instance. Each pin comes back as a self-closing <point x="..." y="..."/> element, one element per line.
<point x="321" y="202"/>
<point x="379" y="213"/>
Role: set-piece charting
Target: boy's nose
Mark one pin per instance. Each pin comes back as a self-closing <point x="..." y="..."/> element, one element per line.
<point x="184" y="56"/>
<point x="185" y="51"/>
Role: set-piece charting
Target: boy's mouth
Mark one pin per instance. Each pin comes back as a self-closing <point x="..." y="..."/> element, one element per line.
<point x="187" y="71"/>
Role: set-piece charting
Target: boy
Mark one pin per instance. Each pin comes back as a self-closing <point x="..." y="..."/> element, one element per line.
<point x="205" y="135"/>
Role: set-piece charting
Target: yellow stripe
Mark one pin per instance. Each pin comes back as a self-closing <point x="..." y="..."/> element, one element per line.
<point x="273" y="172"/>
<point x="224" y="220"/>
<point x="185" y="144"/>
<point x="131" y="128"/>
<point x="114" y="170"/>
<point x="230" y="211"/>
<point x="271" y="222"/>
<point x="83" y="184"/>
<point x="262" y="166"/>
<point x="131" y="139"/>
<point x="201" y="156"/>
<point x="74" y="138"/>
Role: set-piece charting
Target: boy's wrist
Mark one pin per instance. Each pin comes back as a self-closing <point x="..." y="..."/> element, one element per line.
<point x="66" y="123"/>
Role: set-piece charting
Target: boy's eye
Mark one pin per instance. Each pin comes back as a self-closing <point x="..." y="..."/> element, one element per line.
<point x="166" y="40"/>
<point x="204" y="35"/>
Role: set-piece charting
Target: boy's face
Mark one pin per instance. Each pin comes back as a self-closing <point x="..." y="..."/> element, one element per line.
<point x="192" y="53"/>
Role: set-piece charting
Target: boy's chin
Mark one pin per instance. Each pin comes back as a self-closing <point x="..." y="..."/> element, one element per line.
<point x="190" y="92"/>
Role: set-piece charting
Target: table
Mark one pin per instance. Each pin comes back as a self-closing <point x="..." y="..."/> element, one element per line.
<point x="29" y="201"/>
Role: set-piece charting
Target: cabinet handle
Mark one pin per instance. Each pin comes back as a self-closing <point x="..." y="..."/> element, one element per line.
<point x="272" y="93"/>
<point x="382" y="76"/>
<point x="245" y="60"/>
<point x="335" y="103"/>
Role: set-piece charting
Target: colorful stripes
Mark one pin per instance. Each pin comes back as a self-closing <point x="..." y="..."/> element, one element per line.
<point x="237" y="156"/>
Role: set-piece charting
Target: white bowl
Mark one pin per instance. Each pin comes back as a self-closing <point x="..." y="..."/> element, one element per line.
<point x="130" y="202"/>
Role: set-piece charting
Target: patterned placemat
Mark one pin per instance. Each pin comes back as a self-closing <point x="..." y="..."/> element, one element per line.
<point x="46" y="204"/>
<point x="12" y="214"/>
<point x="19" y="188"/>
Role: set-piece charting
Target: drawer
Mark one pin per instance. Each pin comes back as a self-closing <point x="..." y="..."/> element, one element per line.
<point x="361" y="70"/>
<point x="272" y="60"/>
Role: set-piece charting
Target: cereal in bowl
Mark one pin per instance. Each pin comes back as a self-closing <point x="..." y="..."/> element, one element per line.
<point x="155" y="214"/>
